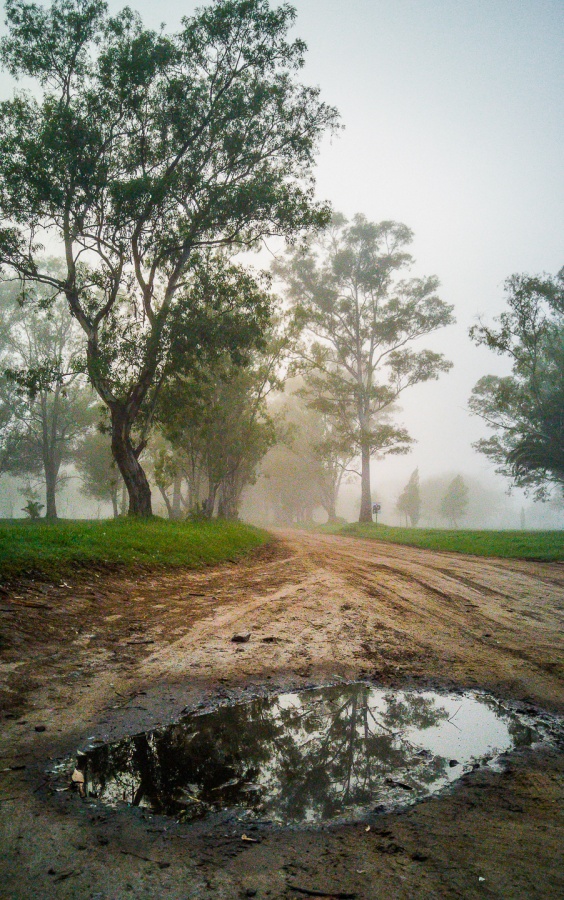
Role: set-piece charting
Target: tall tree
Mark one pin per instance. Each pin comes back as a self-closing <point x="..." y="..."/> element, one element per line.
<point x="525" y="410"/>
<point x="363" y="320"/>
<point x="138" y="149"/>
<point x="409" y="501"/>
<point x="455" y="501"/>
<point x="218" y="423"/>
<point x="45" y="405"/>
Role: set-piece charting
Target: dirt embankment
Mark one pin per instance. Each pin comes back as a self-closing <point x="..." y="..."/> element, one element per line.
<point x="106" y="656"/>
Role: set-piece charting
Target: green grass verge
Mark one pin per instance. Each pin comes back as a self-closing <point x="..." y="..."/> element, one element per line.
<point x="541" y="545"/>
<point x="60" y="548"/>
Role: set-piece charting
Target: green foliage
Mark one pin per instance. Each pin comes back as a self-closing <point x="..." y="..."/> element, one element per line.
<point x="455" y="501"/>
<point x="218" y="424"/>
<point x="33" y="509"/>
<point x="55" y="549"/>
<point x="95" y="464"/>
<point x="541" y="545"/>
<point x="45" y="404"/>
<point x="526" y="409"/>
<point x="409" y="501"/>
<point x="145" y="150"/>
<point x="361" y="317"/>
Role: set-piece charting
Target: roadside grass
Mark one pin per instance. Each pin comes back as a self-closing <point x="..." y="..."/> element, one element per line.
<point x="57" y="549"/>
<point x="536" y="545"/>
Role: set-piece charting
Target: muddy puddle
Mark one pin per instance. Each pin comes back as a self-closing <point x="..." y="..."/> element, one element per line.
<point x="335" y="753"/>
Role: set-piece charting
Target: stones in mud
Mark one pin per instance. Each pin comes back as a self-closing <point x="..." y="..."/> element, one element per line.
<point x="241" y="638"/>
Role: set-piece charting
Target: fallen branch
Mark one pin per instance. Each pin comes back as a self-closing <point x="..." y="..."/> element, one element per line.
<point x="161" y="865"/>
<point x="337" y="895"/>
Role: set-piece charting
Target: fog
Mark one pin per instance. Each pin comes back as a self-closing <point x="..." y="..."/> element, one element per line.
<point x="452" y="115"/>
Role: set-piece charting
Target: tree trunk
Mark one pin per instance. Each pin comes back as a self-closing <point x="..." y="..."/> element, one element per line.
<point x="365" y="496"/>
<point x="167" y="501"/>
<point x="176" y="512"/>
<point x="125" y="456"/>
<point x="209" y="503"/>
<point x="50" y="489"/>
<point x="331" y="510"/>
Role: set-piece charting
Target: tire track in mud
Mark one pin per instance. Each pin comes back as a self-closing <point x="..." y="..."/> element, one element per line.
<point x="469" y="610"/>
<point x="315" y="605"/>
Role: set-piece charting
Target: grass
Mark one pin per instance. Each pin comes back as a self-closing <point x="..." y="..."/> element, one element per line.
<point x="541" y="545"/>
<point x="60" y="548"/>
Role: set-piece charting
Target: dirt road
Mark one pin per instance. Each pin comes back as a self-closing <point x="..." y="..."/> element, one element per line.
<point x="105" y="656"/>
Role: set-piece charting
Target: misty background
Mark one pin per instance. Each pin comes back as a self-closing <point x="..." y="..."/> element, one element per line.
<point x="452" y="115"/>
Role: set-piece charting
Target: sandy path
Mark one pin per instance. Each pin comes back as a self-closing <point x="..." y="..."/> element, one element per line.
<point x="107" y="656"/>
<point x="355" y="605"/>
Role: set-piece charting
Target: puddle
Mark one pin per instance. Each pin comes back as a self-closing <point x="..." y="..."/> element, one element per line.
<point x="324" y="754"/>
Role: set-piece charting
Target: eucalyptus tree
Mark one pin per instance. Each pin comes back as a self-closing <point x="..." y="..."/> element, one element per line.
<point x="218" y="424"/>
<point x="525" y="410"/>
<point x="135" y="151"/>
<point x="46" y="406"/>
<point x="363" y="322"/>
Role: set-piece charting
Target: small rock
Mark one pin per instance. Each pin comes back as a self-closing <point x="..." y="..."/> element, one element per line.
<point x="250" y="892"/>
<point x="40" y="728"/>
<point x="453" y="762"/>
<point x="241" y="638"/>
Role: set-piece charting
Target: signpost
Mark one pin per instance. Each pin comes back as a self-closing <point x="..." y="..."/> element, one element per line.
<point x="376" y="507"/>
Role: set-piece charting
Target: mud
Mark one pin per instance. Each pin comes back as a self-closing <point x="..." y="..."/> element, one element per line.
<point x="103" y="657"/>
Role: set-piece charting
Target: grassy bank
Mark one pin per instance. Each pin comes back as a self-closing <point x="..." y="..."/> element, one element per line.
<point x="60" y="548"/>
<point x="541" y="545"/>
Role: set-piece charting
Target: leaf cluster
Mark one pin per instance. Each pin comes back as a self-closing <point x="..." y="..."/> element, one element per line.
<point x="362" y="321"/>
<point x="526" y="409"/>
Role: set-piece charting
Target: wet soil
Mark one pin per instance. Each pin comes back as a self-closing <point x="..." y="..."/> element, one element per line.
<point x="103" y="657"/>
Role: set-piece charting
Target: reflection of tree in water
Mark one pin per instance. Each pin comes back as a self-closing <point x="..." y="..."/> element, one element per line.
<point x="307" y="756"/>
<point x="344" y="747"/>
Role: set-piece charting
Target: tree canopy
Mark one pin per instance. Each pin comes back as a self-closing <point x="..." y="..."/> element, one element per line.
<point x="137" y="151"/>
<point x="45" y="405"/>
<point x="363" y="321"/>
<point x="525" y="410"/>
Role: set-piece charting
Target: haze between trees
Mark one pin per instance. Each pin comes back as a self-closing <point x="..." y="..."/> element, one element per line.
<point x="153" y="158"/>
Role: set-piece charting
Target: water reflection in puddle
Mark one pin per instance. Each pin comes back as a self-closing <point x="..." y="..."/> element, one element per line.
<point x="318" y="755"/>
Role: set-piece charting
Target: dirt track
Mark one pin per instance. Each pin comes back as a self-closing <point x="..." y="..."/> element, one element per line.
<point x="78" y="656"/>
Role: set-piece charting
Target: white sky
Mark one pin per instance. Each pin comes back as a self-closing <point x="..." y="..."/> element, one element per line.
<point x="453" y="117"/>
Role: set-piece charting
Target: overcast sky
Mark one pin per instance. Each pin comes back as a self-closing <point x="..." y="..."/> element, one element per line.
<point x="453" y="118"/>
